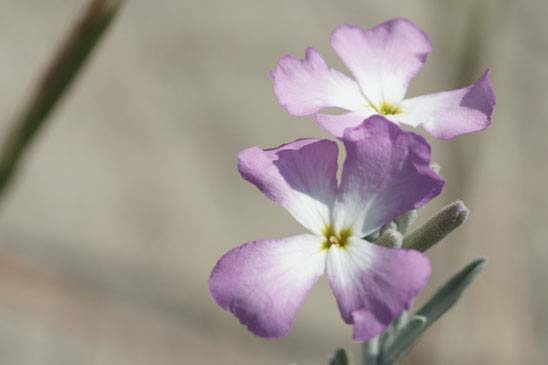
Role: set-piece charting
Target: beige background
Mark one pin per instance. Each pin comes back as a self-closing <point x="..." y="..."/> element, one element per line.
<point x="130" y="194"/>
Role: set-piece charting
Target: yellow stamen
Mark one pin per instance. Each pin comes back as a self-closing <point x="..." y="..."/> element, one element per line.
<point x="388" y="109"/>
<point x="339" y="239"/>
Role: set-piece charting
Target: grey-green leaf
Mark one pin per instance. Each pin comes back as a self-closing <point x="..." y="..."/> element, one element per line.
<point x="405" y="338"/>
<point x="451" y="291"/>
<point x="440" y="303"/>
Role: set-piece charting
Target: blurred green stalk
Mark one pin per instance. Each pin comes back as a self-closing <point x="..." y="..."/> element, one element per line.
<point x="56" y="80"/>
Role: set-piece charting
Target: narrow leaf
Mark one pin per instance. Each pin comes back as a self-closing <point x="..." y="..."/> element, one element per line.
<point x="440" y="303"/>
<point x="405" y="338"/>
<point x="450" y="292"/>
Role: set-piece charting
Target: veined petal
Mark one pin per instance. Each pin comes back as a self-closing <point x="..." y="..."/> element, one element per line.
<point x="300" y="176"/>
<point x="384" y="58"/>
<point x="386" y="173"/>
<point x="336" y="124"/>
<point x="374" y="284"/>
<point x="450" y="114"/>
<point x="263" y="283"/>
<point x="307" y="86"/>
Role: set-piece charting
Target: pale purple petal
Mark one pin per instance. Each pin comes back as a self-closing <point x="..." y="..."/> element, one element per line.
<point x="263" y="283"/>
<point x="450" y="114"/>
<point x="383" y="59"/>
<point x="300" y="176"/>
<point x="306" y="86"/>
<point x="373" y="285"/>
<point x="386" y="173"/>
<point x="336" y="124"/>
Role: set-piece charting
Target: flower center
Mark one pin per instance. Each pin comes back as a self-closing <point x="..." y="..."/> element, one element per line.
<point x="339" y="239"/>
<point x="388" y="109"/>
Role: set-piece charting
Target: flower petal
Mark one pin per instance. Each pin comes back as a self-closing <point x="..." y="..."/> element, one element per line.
<point x="300" y="176"/>
<point x="336" y="124"/>
<point x="450" y="114"/>
<point x="373" y="284"/>
<point x="383" y="59"/>
<point x="263" y="283"/>
<point x="307" y="86"/>
<point x="386" y="173"/>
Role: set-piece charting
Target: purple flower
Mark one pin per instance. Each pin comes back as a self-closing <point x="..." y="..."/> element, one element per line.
<point x="383" y="61"/>
<point x="386" y="173"/>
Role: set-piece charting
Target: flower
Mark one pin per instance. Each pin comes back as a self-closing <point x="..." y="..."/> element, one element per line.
<point x="386" y="173"/>
<point x="383" y="59"/>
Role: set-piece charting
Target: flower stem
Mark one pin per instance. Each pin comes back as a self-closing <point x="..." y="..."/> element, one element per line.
<point x="57" y="78"/>
<point x="370" y="351"/>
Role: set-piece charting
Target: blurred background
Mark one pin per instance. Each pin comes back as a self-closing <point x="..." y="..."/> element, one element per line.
<point x="130" y="193"/>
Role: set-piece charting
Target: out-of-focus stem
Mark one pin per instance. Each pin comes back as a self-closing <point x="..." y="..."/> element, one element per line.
<point x="55" y="81"/>
<point x="370" y="351"/>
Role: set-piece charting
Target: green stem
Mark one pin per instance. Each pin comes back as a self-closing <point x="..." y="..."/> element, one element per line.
<point x="370" y="351"/>
<point x="56" y="80"/>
